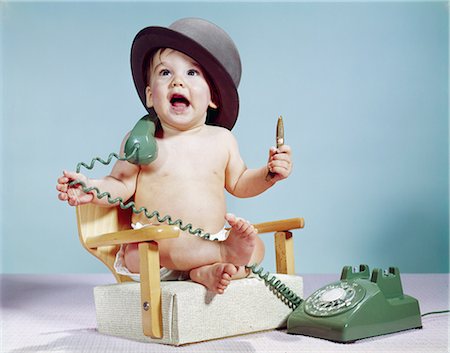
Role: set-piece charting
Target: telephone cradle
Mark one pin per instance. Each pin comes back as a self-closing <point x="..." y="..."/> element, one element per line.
<point x="357" y="307"/>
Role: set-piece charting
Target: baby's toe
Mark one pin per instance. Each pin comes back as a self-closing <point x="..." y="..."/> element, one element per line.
<point x="222" y="286"/>
<point x="226" y="276"/>
<point x="230" y="218"/>
<point x="236" y="226"/>
<point x="224" y="282"/>
<point x="246" y="228"/>
<point x="242" y="226"/>
<point x="230" y="270"/>
<point x="250" y="230"/>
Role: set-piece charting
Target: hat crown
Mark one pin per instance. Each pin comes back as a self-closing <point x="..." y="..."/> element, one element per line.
<point x="215" y="40"/>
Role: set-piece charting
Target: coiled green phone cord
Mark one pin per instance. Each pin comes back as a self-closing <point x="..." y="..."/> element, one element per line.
<point x="108" y="161"/>
<point x="118" y="200"/>
<point x="285" y="293"/>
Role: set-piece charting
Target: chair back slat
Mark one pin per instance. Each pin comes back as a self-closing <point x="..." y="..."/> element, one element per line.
<point x="95" y="220"/>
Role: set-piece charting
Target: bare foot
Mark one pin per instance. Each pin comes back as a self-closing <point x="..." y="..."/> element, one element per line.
<point x="240" y="244"/>
<point x="215" y="278"/>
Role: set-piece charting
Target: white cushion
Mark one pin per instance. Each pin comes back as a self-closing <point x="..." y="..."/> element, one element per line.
<point x="191" y="313"/>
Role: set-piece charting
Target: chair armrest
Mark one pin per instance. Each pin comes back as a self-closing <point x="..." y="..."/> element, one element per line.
<point x="284" y="242"/>
<point x="280" y="226"/>
<point x="133" y="236"/>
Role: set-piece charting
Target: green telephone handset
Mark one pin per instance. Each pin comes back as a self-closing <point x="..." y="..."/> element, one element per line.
<point x="357" y="307"/>
<point x="140" y="147"/>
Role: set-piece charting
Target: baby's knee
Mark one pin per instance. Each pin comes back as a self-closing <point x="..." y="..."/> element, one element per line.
<point x="131" y="257"/>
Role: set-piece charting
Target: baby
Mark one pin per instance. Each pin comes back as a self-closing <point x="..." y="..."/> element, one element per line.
<point x="175" y="70"/>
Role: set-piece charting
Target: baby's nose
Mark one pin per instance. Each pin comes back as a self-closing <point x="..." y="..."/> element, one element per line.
<point x="177" y="82"/>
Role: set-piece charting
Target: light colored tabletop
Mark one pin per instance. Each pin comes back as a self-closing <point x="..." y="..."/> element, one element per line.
<point x="55" y="313"/>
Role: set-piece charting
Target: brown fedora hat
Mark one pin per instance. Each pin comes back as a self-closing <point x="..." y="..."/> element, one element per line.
<point x="207" y="44"/>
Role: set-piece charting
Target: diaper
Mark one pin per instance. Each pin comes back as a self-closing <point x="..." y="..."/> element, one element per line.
<point x="165" y="273"/>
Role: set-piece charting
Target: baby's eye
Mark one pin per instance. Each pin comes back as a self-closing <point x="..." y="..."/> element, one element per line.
<point x="193" y="72"/>
<point x="164" y="72"/>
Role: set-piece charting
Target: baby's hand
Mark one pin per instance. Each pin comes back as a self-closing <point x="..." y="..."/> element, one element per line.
<point x="74" y="195"/>
<point x="279" y="164"/>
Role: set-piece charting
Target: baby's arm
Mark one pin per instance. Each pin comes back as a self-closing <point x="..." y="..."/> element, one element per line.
<point x="244" y="182"/>
<point x="120" y="183"/>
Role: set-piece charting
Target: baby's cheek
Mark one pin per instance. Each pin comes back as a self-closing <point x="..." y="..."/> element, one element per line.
<point x="157" y="96"/>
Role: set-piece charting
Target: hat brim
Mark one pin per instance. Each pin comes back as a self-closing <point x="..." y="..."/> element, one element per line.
<point x="150" y="39"/>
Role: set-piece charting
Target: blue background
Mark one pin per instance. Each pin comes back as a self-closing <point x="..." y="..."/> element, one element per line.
<point x="362" y="87"/>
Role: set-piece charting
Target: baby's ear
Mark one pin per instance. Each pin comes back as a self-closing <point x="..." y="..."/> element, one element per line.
<point x="148" y="97"/>
<point x="213" y="105"/>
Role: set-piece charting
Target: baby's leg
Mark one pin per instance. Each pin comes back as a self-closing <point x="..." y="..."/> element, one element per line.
<point x="188" y="252"/>
<point x="215" y="278"/>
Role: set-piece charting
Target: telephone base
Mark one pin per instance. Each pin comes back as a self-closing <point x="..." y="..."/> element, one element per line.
<point x="357" y="307"/>
<point x="344" y="334"/>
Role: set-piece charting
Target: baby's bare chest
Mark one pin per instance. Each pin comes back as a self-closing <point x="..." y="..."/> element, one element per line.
<point x="201" y="161"/>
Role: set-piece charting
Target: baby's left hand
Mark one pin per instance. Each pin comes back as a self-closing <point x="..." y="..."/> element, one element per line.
<point x="280" y="163"/>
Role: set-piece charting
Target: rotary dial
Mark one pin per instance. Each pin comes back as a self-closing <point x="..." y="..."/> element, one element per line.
<point x="334" y="299"/>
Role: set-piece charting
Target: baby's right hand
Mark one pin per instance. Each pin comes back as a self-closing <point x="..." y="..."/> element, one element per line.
<point x="74" y="195"/>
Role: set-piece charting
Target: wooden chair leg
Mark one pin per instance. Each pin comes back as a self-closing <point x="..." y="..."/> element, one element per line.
<point x="284" y="251"/>
<point x="150" y="289"/>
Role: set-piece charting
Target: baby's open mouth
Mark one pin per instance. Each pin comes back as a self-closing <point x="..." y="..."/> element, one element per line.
<point x="178" y="100"/>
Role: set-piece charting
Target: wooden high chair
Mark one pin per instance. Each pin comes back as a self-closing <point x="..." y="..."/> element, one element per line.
<point x="103" y="229"/>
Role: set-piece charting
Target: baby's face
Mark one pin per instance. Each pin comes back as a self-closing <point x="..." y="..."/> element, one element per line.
<point x="178" y="90"/>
